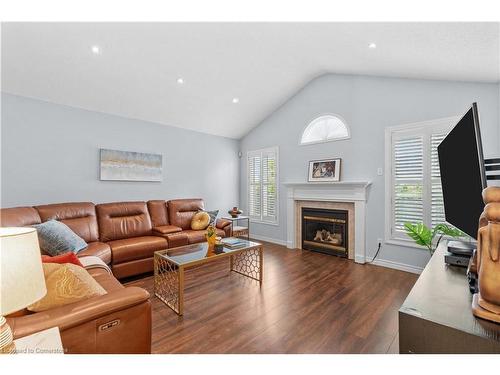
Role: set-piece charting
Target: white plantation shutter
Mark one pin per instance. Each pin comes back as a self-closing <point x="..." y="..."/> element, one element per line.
<point x="408" y="172"/>
<point x="414" y="181"/>
<point x="263" y="185"/>
<point x="437" y="204"/>
<point x="254" y="186"/>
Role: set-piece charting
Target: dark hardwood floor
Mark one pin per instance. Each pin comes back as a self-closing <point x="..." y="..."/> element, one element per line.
<point x="308" y="303"/>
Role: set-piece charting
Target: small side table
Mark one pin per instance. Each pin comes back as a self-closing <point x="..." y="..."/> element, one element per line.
<point x="43" y="342"/>
<point x="236" y="229"/>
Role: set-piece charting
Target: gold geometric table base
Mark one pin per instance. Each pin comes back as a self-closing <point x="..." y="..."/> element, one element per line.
<point x="169" y="283"/>
<point x="248" y="263"/>
<point x="169" y="277"/>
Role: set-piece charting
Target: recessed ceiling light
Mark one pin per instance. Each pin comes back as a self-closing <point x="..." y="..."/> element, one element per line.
<point x="372" y="46"/>
<point x="180" y="81"/>
<point x="236" y="100"/>
<point x="96" y="50"/>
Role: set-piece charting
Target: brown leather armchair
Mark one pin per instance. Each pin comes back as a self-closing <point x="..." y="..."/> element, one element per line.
<point x="118" y="322"/>
<point x="83" y="325"/>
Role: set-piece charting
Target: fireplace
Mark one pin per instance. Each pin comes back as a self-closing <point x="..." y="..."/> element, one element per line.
<point x="325" y="231"/>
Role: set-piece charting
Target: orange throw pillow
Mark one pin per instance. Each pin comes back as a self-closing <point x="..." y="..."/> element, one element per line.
<point x="69" y="257"/>
<point x="66" y="283"/>
<point x="200" y="221"/>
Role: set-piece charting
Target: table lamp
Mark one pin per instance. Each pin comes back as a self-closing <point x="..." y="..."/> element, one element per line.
<point x="22" y="280"/>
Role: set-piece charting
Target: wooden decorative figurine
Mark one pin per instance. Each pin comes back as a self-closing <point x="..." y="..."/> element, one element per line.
<point x="486" y="303"/>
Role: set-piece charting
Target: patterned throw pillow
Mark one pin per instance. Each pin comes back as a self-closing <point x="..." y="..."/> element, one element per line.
<point x="57" y="238"/>
<point x="66" y="283"/>
<point x="213" y="216"/>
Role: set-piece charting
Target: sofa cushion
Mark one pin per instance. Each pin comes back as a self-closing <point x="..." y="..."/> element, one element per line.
<point x="136" y="248"/>
<point x="66" y="283"/>
<point x="123" y="220"/>
<point x="158" y="212"/>
<point x="98" y="249"/>
<point x="19" y="217"/>
<point x="181" y="211"/>
<point x="166" y="229"/>
<point x="79" y="216"/>
<point x="56" y="238"/>
<point x="177" y="239"/>
<point x="196" y="236"/>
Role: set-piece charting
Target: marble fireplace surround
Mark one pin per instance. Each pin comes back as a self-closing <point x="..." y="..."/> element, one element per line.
<point x="345" y="195"/>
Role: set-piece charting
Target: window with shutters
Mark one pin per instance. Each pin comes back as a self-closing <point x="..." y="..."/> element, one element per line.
<point x="262" y="172"/>
<point x="413" y="182"/>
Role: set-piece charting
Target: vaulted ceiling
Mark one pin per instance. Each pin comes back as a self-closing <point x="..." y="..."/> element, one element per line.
<point x="132" y="69"/>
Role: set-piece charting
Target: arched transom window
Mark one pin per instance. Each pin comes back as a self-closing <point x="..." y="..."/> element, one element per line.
<point x="325" y="128"/>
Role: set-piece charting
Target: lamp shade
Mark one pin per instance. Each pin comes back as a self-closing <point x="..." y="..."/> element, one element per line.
<point x="21" y="273"/>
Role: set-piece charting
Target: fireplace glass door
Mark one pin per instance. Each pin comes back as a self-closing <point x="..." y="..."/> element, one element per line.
<point x="325" y="231"/>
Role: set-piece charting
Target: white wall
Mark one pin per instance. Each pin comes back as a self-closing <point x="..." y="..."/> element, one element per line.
<point x="50" y="154"/>
<point x="368" y="104"/>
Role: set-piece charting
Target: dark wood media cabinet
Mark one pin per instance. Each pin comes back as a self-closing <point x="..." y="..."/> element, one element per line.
<point x="436" y="316"/>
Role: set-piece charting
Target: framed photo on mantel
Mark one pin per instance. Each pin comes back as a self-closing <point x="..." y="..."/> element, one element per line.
<point x="327" y="170"/>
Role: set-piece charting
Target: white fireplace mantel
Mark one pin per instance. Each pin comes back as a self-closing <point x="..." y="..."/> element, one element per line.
<point x="343" y="191"/>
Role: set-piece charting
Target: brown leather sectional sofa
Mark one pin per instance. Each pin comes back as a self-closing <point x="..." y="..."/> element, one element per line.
<point x="125" y="236"/>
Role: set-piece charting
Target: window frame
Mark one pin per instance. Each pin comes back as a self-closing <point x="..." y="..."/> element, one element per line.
<point x="260" y="152"/>
<point x="424" y="129"/>
<point x="325" y="140"/>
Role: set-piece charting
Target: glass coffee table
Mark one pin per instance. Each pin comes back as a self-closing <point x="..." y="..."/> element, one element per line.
<point x="170" y="264"/>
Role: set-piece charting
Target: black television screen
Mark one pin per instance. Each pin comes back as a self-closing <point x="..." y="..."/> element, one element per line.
<point x="463" y="176"/>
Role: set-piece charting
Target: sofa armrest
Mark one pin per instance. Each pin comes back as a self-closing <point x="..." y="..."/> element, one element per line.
<point x="222" y="223"/>
<point x="75" y="314"/>
<point x="166" y="229"/>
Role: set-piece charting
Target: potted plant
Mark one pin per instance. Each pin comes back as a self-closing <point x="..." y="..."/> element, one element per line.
<point x="424" y="236"/>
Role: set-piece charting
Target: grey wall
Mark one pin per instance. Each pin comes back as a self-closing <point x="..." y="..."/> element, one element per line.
<point x="50" y="153"/>
<point x="368" y="104"/>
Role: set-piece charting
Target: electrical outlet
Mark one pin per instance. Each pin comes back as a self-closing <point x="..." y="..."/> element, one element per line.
<point x="380" y="171"/>
<point x="379" y="241"/>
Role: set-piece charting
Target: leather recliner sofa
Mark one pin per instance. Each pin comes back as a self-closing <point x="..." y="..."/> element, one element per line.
<point x="125" y="236"/>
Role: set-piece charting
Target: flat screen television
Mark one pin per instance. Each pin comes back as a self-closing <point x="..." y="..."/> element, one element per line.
<point x="463" y="176"/>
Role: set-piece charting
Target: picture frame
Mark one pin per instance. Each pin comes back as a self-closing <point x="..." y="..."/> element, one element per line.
<point x="326" y="170"/>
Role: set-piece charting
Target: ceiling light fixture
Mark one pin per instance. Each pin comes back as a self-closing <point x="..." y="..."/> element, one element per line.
<point x="236" y="100"/>
<point x="180" y="80"/>
<point x="96" y="50"/>
<point x="372" y="46"/>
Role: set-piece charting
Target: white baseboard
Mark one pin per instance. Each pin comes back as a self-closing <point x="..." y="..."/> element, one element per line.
<point x="398" y="266"/>
<point x="360" y="259"/>
<point x="378" y="262"/>
<point x="268" y="239"/>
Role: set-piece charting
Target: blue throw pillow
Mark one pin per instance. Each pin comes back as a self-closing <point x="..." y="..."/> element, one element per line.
<point x="57" y="238"/>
